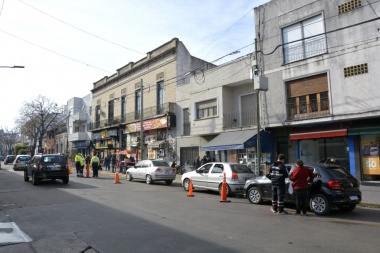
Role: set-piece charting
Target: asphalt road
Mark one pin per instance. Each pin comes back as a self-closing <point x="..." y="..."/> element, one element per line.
<point x="96" y="215"/>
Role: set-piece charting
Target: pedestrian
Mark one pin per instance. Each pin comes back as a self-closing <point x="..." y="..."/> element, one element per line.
<point x="301" y="177"/>
<point x="278" y="173"/>
<point x="79" y="165"/>
<point x="95" y="162"/>
<point x="113" y="162"/>
<point x="88" y="161"/>
<point x="132" y="159"/>
<point x="204" y="160"/>
<point x="107" y="162"/>
<point x="197" y="163"/>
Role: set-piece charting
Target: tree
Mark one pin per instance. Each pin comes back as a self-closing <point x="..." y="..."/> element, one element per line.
<point x="39" y="116"/>
<point x="8" y="138"/>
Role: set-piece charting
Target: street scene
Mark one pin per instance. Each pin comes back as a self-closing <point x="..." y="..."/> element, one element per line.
<point x="189" y="126"/>
<point x="97" y="215"/>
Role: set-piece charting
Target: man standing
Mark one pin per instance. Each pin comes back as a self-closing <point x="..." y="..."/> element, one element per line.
<point x="301" y="178"/>
<point x="278" y="173"/>
<point x="79" y="165"/>
<point x="95" y="162"/>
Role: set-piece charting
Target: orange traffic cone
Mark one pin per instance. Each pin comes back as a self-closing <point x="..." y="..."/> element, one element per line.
<point x="71" y="169"/>
<point x="190" y="194"/>
<point x="117" y="179"/>
<point x="223" y="195"/>
<point x="87" y="170"/>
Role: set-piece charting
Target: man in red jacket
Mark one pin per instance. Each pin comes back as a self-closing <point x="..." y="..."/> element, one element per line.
<point x="301" y="177"/>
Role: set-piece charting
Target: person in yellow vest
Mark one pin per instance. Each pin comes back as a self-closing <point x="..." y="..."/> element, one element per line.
<point x="95" y="162"/>
<point x="79" y="165"/>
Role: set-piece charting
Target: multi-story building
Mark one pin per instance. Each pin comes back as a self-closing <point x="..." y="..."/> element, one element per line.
<point x="78" y="113"/>
<point x="142" y="95"/>
<point x="217" y="115"/>
<point x="321" y="60"/>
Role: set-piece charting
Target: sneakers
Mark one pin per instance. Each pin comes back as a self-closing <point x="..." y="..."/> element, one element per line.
<point x="283" y="212"/>
<point x="273" y="211"/>
<point x="297" y="213"/>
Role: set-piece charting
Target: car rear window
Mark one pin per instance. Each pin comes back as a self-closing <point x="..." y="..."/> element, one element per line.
<point x="159" y="163"/>
<point x="339" y="172"/>
<point x="24" y="158"/>
<point x="53" y="159"/>
<point x="237" y="168"/>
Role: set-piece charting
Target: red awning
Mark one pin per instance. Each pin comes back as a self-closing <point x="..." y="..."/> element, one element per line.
<point x="317" y="134"/>
<point x="124" y="152"/>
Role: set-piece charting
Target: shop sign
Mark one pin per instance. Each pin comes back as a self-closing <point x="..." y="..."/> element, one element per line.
<point x="370" y="155"/>
<point x="148" y="125"/>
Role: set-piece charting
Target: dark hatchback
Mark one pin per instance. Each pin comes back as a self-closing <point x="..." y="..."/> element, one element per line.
<point x="47" y="166"/>
<point x="9" y="159"/>
<point x="333" y="186"/>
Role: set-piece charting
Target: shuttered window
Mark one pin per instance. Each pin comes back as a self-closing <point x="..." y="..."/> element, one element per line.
<point x="206" y="109"/>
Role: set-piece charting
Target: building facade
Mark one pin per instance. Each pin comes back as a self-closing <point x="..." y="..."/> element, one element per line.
<point x="321" y="61"/>
<point x="141" y="96"/>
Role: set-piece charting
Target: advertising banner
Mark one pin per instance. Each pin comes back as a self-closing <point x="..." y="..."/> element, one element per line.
<point x="370" y="154"/>
<point x="147" y="124"/>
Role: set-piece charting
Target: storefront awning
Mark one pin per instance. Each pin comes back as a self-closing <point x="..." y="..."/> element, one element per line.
<point x="317" y="133"/>
<point x="231" y="140"/>
<point x="156" y="144"/>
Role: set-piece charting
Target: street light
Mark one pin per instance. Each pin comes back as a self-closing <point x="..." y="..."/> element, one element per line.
<point x="13" y="67"/>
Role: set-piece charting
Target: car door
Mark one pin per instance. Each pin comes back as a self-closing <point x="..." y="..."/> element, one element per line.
<point x="147" y="168"/>
<point x="215" y="176"/>
<point x="33" y="165"/>
<point x="200" y="177"/>
<point x="135" y="171"/>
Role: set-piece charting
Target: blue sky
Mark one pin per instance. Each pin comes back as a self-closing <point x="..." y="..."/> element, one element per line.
<point x="68" y="45"/>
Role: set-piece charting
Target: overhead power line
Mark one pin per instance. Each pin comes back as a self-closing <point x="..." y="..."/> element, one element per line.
<point x="94" y="35"/>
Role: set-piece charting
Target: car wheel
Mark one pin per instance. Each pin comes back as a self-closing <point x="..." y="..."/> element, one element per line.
<point x="186" y="184"/>
<point x="148" y="179"/>
<point x="26" y="178"/>
<point x="228" y="190"/>
<point x="169" y="182"/>
<point x="319" y="204"/>
<point x="129" y="176"/>
<point x="254" y="195"/>
<point x="347" y="208"/>
<point x="65" y="180"/>
<point x="34" y="179"/>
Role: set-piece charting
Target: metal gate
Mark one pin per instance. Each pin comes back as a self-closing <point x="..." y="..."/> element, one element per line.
<point x="188" y="154"/>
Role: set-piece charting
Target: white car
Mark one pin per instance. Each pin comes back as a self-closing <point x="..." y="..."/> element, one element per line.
<point x="210" y="177"/>
<point x="20" y="162"/>
<point x="151" y="171"/>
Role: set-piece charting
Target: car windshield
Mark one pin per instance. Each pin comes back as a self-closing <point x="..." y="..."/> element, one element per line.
<point x="340" y="172"/>
<point x="53" y="159"/>
<point x="24" y="158"/>
<point x="160" y="163"/>
<point x="237" y="168"/>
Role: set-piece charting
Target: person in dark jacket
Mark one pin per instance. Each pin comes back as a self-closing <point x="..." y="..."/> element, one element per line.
<point x="301" y="177"/>
<point x="278" y="173"/>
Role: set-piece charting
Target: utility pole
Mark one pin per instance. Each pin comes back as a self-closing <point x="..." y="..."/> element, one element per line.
<point x="258" y="149"/>
<point x="141" y="120"/>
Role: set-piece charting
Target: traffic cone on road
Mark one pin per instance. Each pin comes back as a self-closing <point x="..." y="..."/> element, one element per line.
<point x="117" y="179"/>
<point x="223" y="195"/>
<point x="190" y="194"/>
<point x="71" y="169"/>
<point x="87" y="170"/>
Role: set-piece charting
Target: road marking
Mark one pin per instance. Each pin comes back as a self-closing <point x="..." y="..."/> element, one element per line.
<point x="11" y="233"/>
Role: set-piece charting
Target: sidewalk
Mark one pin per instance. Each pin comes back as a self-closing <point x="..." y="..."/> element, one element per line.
<point x="370" y="194"/>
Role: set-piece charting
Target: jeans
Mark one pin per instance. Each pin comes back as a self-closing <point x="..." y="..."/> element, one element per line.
<point x="301" y="200"/>
<point x="278" y="194"/>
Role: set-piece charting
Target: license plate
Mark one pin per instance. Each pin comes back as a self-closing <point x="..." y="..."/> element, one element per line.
<point x="56" y="167"/>
<point x="354" y="198"/>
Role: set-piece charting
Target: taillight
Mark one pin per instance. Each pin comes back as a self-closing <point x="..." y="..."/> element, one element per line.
<point x="39" y="166"/>
<point x="158" y="170"/>
<point x="66" y="166"/>
<point x="235" y="176"/>
<point x="334" y="184"/>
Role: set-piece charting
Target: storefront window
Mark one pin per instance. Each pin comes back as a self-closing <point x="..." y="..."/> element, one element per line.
<point x="370" y="157"/>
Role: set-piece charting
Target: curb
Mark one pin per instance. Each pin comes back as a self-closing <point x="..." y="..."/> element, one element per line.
<point x="369" y="205"/>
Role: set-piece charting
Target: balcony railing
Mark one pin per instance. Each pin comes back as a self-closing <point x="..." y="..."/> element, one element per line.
<point x="150" y="112"/>
<point x="240" y="119"/>
<point x="312" y="109"/>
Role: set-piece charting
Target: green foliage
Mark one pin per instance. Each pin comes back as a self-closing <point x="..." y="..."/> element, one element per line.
<point x="21" y="149"/>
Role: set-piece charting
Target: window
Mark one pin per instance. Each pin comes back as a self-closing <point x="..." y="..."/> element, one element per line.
<point x="206" y="109"/>
<point x="186" y="122"/>
<point x="123" y="108"/>
<point x="160" y="97"/>
<point x="97" y="116"/>
<point x="308" y="97"/>
<point x="137" y="104"/>
<point x="304" y="39"/>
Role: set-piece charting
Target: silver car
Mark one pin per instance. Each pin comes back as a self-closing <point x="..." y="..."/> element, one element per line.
<point x="20" y="162"/>
<point x="151" y="171"/>
<point x="210" y="177"/>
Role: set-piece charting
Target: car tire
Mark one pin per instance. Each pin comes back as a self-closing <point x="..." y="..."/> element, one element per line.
<point x="319" y="204"/>
<point x="186" y="184"/>
<point x="228" y="189"/>
<point x="129" y="176"/>
<point x="169" y="182"/>
<point x="148" y="179"/>
<point x="254" y="195"/>
<point x="34" y="179"/>
<point x="65" y="180"/>
<point x="26" y="178"/>
<point x="347" y="208"/>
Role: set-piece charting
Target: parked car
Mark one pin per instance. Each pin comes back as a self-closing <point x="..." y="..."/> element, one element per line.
<point x="20" y="162"/>
<point x="210" y="177"/>
<point x="1" y="158"/>
<point x="333" y="186"/>
<point x="336" y="161"/>
<point x="151" y="171"/>
<point x="47" y="166"/>
<point x="9" y="159"/>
